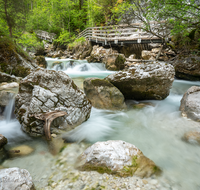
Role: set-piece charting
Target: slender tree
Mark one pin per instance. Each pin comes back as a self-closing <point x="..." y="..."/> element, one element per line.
<point x="12" y="11"/>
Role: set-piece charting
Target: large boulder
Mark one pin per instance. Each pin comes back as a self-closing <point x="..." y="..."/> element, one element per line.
<point x="148" y="55"/>
<point x="44" y="91"/>
<point x="13" y="59"/>
<point x="81" y="50"/>
<point x="111" y="58"/>
<point x="40" y="61"/>
<point x="114" y="61"/>
<point x="187" y="67"/>
<point x="190" y="103"/>
<point x="103" y="94"/>
<point x="116" y="157"/>
<point x="15" y="179"/>
<point x="98" y="53"/>
<point x="145" y="81"/>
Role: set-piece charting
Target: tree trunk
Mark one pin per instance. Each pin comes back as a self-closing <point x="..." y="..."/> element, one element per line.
<point x="7" y="18"/>
<point x="80" y="4"/>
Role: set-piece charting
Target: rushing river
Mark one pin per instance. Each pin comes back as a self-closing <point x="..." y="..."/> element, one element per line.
<point x="156" y="130"/>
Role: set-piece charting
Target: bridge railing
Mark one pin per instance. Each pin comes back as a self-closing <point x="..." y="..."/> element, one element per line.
<point x="45" y="35"/>
<point x="117" y="33"/>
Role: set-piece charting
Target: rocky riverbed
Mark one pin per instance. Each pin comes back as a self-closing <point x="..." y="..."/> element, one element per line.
<point x="64" y="176"/>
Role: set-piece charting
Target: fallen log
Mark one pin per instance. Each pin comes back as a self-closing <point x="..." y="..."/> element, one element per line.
<point x="48" y="119"/>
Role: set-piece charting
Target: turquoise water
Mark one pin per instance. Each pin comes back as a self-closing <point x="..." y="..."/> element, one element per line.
<point x="157" y="130"/>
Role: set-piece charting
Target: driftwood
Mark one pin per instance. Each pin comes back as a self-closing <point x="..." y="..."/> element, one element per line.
<point x="48" y="118"/>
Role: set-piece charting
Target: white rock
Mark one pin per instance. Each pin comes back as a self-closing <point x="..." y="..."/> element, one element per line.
<point x="15" y="179"/>
<point x="116" y="157"/>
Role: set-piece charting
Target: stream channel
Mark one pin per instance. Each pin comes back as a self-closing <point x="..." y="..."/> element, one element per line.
<point x="156" y="130"/>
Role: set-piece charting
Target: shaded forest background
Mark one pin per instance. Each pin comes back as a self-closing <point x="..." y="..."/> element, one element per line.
<point x="66" y="18"/>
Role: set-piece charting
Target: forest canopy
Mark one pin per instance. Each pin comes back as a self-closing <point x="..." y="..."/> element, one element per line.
<point x="66" y="18"/>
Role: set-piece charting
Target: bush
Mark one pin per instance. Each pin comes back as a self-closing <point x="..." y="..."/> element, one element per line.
<point x="76" y="43"/>
<point x="64" y="38"/>
<point x="30" y="42"/>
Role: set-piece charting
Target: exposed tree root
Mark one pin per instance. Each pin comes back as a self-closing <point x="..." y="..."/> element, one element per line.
<point x="48" y="118"/>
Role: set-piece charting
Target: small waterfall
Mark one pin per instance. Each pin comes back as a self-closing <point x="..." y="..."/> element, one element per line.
<point x="9" y="110"/>
<point x="78" y="68"/>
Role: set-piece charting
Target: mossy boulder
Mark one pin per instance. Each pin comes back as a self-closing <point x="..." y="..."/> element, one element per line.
<point x="81" y="50"/>
<point x="187" y="67"/>
<point x="114" y="61"/>
<point x="13" y="60"/>
<point x="146" y="81"/>
<point x="103" y="94"/>
<point x="44" y="91"/>
<point x="8" y="78"/>
<point x="116" y="157"/>
<point x="40" y="61"/>
<point x="111" y="58"/>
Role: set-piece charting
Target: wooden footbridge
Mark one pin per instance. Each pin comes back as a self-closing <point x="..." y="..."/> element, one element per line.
<point x="125" y="34"/>
<point x="119" y="34"/>
<point x="45" y="35"/>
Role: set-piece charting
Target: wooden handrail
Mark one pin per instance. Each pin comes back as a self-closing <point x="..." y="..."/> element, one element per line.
<point x="122" y="32"/>
<point x="45" y="35"/>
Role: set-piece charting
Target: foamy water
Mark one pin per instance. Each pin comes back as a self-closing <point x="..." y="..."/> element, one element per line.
<point x="156" y="130"/>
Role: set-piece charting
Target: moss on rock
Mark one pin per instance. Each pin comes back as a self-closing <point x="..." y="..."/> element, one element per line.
<point x="13" y="60"/>
<point x="101" y="82"/>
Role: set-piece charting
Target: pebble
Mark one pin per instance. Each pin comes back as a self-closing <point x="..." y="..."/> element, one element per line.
<point x="145" y="181"/>
<point x="153" y="182"/>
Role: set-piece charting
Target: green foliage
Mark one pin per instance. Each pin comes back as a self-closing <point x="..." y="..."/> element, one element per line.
<point x="64" y="38"/>
<point x="12" y="12"/>
<point x="29" y="41"/>
<point x="76" y="43"/>
<point x="3" y="28"/>
<point x="67" y="18"/>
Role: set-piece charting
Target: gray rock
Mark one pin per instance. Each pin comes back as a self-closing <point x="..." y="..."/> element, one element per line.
<point x="7" y="91"/>
<point x="187" y="67"/>
<point x="103" y="94"/>
<point x="40" y="61"/>
<point x="45" y="91"/>
<point x="192" y="136"/>
<point x="15" y="179"/>
<point x="190" y="103"/>
<point x="114" y="61"/>
<point x="111" y="58"/>
<point x="98" y="53"/>
<point x="13" y="59"/>
<point x="148" y="55"/>
<point x="8" y="78"/>
<point x="116" y="157"/>
<point x="146" y="81"/>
